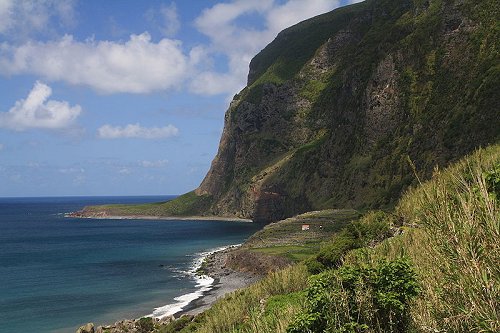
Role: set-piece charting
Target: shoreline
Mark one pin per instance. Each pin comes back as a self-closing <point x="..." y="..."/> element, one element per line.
<point x="159" y="218"/>
<point x="224" y="281"/>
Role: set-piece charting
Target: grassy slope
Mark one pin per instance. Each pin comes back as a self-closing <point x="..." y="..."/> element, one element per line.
<point x="451" y="227"/>
<point x="286" y="238"/>
<point x="188" y="204"/>
<point x="453" y="243"/>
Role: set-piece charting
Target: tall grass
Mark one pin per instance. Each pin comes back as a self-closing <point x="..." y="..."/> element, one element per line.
<point x="245" y="310"/>
<point x="455" y="246"/>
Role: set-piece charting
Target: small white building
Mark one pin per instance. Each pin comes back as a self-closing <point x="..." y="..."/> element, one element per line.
<point x="305" y="227"/>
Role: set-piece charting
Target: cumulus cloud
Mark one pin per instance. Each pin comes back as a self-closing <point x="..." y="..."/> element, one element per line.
<point x="37" y="111"/>
<point x="153" y="164"/>
<point x="21" y="19"/>
<point x="136" y="131"/>
<point x="240" y="44"/>
<point x="5" y="14"/>
<point x="135" y="66"/>
<point x="141" y="65"/>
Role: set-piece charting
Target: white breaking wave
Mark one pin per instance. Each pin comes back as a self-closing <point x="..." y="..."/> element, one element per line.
<point x="204" y="283"/>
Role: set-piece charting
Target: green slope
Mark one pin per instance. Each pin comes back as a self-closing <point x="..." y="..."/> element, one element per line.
<point x="439" y="271"/>
<point x="188" y="204"/>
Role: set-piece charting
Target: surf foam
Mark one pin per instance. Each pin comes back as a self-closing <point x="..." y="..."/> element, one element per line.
<point x="204" y="284"/>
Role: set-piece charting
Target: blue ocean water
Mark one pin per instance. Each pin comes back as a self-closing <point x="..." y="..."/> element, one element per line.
<point x="57" y="273"/>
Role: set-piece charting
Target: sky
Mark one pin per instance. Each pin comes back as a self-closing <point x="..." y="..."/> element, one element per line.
<point x="125" y="97"/>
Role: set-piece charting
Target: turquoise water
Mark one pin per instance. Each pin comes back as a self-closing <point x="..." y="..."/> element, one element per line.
<point x="57" y="273"/>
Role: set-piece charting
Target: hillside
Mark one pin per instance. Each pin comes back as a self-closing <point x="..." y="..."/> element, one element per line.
<point x="337" y="105"/>
<point x="429" y="265"/>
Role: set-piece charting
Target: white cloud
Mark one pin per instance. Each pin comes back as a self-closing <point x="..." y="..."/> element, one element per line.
<point x="36" y="111"/>
<point x="136" y="131"/>
<point x="135" y="66"/>
<point x="295" y="11"/>
<point x="141" y="65"/>
<point x="153" y="164"/>
<point x="239" y="44"/>
<point x="20" y="19"/>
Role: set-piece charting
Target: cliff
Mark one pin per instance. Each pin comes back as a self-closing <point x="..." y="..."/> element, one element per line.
<point x="337" y="106"/>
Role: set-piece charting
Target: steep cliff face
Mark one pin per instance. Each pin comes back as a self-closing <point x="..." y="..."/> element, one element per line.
<point x="336" y="106"/>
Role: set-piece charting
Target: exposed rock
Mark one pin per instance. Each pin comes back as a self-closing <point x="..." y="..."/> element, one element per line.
<point x="166" y="319"/>
<point x="382" y="116"/>
<point x="336" y="104"/>
<point x="87" y="328"/>
<point x="256" y="263"/>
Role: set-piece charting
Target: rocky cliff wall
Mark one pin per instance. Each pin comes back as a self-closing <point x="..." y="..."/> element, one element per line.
<point x="337" y="106"/>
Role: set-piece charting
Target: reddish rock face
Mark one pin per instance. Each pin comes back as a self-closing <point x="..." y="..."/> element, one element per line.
<point x="268" y="207"/>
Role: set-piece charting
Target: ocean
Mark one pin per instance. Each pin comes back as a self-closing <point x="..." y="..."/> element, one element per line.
<point x="58" y="273"/>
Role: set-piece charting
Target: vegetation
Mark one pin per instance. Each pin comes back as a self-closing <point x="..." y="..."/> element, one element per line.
<point x="188" y="204"/>
<point x="145" y="325"/>
<point x="430" y="265"/>
<point x="408" y="88"/>
<point x="382" y="80"/>
<point x="371" y="228"/>
<point x="362" y="298"/>
<point x="267" y="306"/>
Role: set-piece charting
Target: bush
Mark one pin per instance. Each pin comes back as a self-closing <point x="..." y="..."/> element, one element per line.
<point x="358" y="298"/>
<point x="314" y="266"/>
<point x="371" y="228"/>
<point x="145" y="325"/>
<point x="492" y="179"/>
<point x="177" y="325"/>
<point x="332" y="253"/>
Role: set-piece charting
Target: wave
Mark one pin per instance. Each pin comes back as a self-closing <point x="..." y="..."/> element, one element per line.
<point x="204" y="284"/>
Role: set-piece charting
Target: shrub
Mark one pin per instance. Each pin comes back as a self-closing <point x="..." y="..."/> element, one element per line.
<point x="332" y="253"/>
<point x="492" y="179"/>
<point x="371" y="228"/>
<point x="358" y="298"/>
<point x="145" y="325"/>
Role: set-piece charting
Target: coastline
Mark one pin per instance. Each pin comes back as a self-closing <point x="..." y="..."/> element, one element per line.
<point x="226" y="280"/>
<point x="222" y="280"/>
<point x="159" y="218"/>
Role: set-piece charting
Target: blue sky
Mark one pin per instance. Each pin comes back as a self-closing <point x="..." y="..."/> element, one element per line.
<point x="124" y="97"/>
